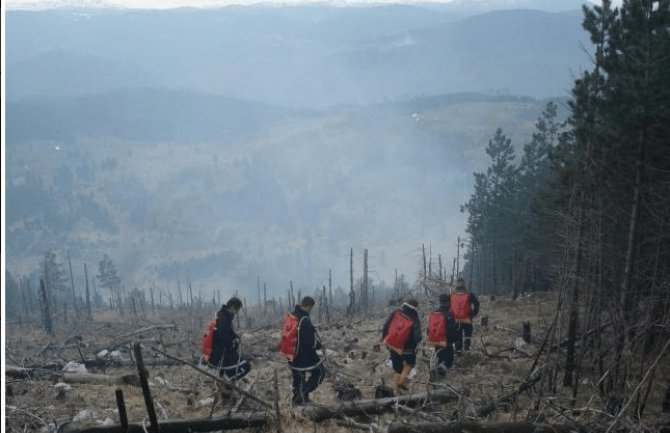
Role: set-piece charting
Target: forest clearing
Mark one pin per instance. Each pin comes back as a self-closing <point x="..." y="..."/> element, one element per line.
<point x="68" y="381"/>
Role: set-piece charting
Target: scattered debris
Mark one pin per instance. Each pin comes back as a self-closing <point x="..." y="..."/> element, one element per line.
<point x="74" y="367"/>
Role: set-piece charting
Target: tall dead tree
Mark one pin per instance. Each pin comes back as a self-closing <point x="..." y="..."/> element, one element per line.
<point x="366" y="299"/>
<point x="439" y="263"/>
<point x="395" y="285"/>
<point x="46" y="309"/>
<point x="330" y="286"/>
<point x="352" y="294"/>
<point x="88" y="295"/>
<point x="458" y="256"/>
<point x="74" y="295"/>
<point x="430" y="258"/>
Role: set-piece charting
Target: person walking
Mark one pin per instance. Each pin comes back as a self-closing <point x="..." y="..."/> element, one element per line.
<point x="464" y="306"/>
<point x="401" y="333"/>
<point x="299" y="343"/>
<point x="225" y="344"/>
<point x="442" y="332"/>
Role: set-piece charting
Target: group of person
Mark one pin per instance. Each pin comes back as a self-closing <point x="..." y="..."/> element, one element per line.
<point x="449" y="331"/>
<point x="300" y="343"/>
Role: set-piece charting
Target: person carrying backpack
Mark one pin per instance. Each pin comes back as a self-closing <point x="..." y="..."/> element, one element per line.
<point x="299" y="343"/>
<point x="464" y="306"/>
<point x="402" y="334"/>
<point x="223" y="344"/>
<point x="442" y="332"/>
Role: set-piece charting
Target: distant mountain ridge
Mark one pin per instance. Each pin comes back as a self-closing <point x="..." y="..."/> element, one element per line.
<point x="244" y="141"/>
<point x="154" y="114"/>
<point x="312" y="56"/>
<point x="138" y="114"/>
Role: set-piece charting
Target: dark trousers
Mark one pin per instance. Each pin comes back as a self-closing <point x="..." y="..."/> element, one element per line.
<point x="399" y="361"/>
<point x="236" y="371"/>
<point x="445" y="359"/>
<point x="302" y="386"/>
<point x="464" y="331"/>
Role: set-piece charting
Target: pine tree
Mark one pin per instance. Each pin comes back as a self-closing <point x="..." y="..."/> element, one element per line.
<point x="108" y="275"/>
<point x="55" y="279"/>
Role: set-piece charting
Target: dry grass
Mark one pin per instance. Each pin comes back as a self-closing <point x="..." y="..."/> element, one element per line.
<point x="181" y="392"/>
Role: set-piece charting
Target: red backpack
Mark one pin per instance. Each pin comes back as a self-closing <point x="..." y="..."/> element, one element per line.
<point x="208" y="340"/>
<point x="288" y="345"/>
<point x="460" y="307"/>
<point x="437" y="329"/>
<point x="398" y="332"/>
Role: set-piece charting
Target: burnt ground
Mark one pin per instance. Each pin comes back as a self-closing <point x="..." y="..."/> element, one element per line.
<point x="497" y="364"/>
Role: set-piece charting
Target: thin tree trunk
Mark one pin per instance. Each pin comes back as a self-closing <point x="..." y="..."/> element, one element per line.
<point x="88" y="295"/>
<point x="573" y="320"/>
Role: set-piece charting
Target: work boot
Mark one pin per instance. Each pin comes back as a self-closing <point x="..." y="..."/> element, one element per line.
<point x="402" y="381"/>
<point x="397" y="383"/>
<point x="301" y="400"/>
<point x="224" y="390"/>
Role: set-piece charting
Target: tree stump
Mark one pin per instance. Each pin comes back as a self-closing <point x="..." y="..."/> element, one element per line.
<point x="526" y="335"/>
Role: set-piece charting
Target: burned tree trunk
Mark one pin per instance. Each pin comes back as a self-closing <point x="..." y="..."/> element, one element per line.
<point x="144" y="383"/>
<point x="364" y="407"/>
<point x="472" y="427"/>
<point x="88" y="296"/>
<point x="46" y="309"/>
<point x="526" y="335"/>
<point x="573" y="320"/>
<point x="232" y="422"/>
<point x="74" y="295"/>
<point x="100" y="379"/>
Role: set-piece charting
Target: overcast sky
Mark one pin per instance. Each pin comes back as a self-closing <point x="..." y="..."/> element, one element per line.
<point x="165" y="4"/>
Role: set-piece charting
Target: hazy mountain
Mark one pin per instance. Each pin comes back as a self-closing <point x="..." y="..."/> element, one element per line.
<point x="138" y="114"/>
<point x="263" y="140"/>
<point x="138" y="174"/>
<point x="312" y="56"/>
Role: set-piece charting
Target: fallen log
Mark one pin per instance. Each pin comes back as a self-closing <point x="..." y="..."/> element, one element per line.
<point x="79" y="378"/>
<point x="365" y="407"/>
<point x="127" y="337"/>
<point x="219" y="381"/>
<point x="472" y="427"/>
<point x="100" y="379"/>
<point x="18" y="372"/>
<point x="93" y="363"/>
<point x="235" y="421"/>
<point x="145" y="330"/>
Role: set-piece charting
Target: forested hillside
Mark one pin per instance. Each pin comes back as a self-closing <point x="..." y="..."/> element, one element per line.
<point x="189" y="181"/>
<point x="585" y="209"/>
<point x="169" y="139"/>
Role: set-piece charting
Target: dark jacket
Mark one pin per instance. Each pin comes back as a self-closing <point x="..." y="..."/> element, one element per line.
<point x="308" y="342"/>
<point x="226" y="342"/>
<point x="452" y="333"/>
<point x="415" y="335"/>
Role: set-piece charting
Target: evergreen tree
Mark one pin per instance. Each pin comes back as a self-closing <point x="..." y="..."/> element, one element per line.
<point x="491" y="209"/>
<point x="55" y="279"/>
<point x="108" y="275"/>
